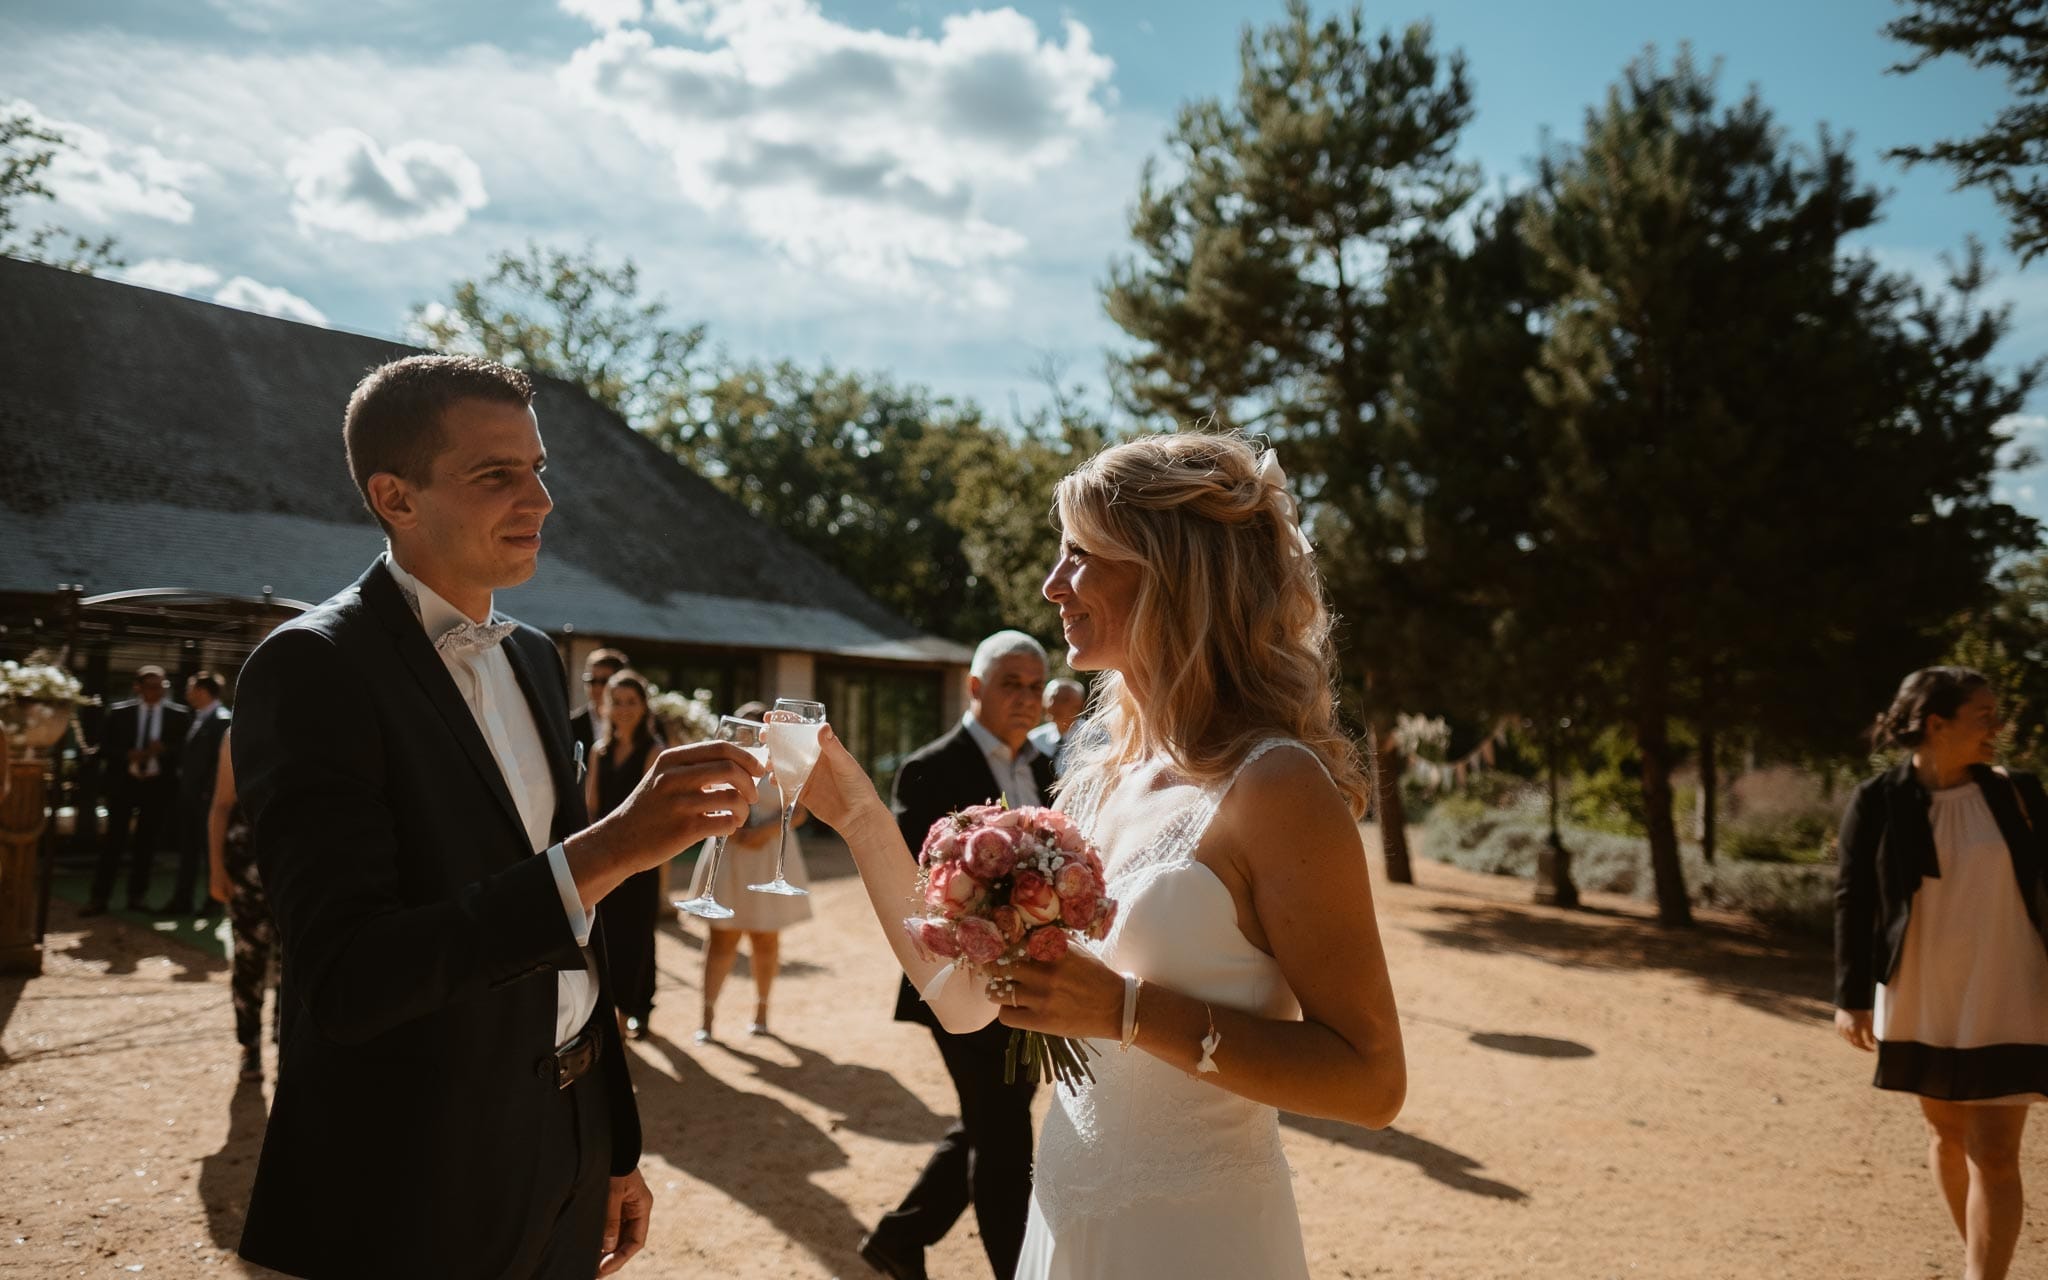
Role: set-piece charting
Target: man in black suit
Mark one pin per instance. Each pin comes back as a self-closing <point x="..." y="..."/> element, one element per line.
<point x="453" y="1098"/>
<point x="140" y="747"/>
<point x="198" y="764"/>
<point x="598" y="669"/>
<point x="985" y="1159"/>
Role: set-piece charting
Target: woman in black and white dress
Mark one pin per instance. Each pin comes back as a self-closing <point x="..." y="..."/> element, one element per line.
<point x="1941" y="947"/>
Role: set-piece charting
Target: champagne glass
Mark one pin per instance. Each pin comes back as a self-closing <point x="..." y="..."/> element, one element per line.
<point x="792" y="753"/>
<point x="747" y="736"/>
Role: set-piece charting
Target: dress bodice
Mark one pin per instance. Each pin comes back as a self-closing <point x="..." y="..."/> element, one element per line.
<point x="1145" y="1129"/>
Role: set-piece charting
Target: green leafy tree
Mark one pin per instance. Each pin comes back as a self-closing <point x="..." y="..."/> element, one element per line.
<point x="2010" y="157"/>
<point x="27" y="150"/>
<point x="2007" y="639"/>
<point x="567" y="313"/>
<point x="1263" y="296"/>
<point x="1761" y="457"/>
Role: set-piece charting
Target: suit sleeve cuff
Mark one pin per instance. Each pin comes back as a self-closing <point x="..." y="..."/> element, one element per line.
<point x="580" y="920"/>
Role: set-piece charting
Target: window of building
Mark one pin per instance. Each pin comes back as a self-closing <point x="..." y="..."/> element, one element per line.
<point x="882" y="714"/>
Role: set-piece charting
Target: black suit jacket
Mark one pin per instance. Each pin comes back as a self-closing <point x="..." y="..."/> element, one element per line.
<point x="1886" y="847"/>
<point x="199" y="758"/>
<point x="422" y="936"/>
<point x="946" y="774"/>
<point x="117" y="739"/>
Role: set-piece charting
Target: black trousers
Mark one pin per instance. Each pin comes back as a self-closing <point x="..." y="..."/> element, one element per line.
<point x="984" y="1160"/>
<point x="631" y="913"/>
<point x="565" y="1225"/>
<point x="147" y="805"/>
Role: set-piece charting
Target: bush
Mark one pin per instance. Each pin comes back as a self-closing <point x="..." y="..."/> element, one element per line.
<point x="1794" y="896"/>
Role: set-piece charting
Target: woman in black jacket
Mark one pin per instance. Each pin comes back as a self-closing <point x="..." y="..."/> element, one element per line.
<point x="1941" y="962"/>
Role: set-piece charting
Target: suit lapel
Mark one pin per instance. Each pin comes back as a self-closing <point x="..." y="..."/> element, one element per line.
<point x="380" y="593"/>
<point x="550" y="718"/>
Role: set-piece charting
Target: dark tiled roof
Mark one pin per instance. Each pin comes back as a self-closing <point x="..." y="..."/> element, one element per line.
<point x="150" y="440"/>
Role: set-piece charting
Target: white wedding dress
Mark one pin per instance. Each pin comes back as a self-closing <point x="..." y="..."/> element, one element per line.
<point x="1151" y="1171"/>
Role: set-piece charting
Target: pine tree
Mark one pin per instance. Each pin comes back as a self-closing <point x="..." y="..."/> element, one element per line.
<point x="2009" y="156"/>
<point x="1765" y="466"/>
<point x="1262" y="298"/>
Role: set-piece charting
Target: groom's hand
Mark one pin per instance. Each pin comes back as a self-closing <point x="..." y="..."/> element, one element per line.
<point x="625" y="1222"/>
<point x="690" y="793"/>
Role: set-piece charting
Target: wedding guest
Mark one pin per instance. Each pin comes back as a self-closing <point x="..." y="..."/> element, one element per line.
<point x="454" y="1099"/>
<point x="197" y="764"/>
<point x="1941" y="946"/>
<point x="1241" y="973"/>
<point x="234" y="882"/>
<point x="598" y="669"/>
<point x="623" y="756"/>
<point x="985" y="1159"/>
<point x="1064" y="699"/>
<point x="139" y="741"/>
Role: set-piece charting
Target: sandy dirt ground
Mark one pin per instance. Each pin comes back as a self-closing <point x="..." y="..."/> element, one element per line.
<point x="1590" y="1097"/>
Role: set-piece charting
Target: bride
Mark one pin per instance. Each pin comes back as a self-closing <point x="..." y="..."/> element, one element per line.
<point x="1244" y="973"/>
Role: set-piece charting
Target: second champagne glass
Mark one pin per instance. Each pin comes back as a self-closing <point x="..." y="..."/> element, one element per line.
<point x="747" y="735"/>
<point x="792" y="736"/>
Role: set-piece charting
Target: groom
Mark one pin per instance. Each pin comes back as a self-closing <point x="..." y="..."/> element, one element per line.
<point x="452" y="1099"/>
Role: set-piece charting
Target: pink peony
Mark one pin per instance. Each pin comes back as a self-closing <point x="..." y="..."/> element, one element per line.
<point x="943" y="827"/>
<point x="944" y="848"/>
<point x="1009" y="923"/>
<point x="991" y="854"/>
<point x="1046" y="944"/>
<point x="1014" y="821"/>
<point x="980" y="941"/>
<point x="1068" y="836"/>
<point x="1105" y="916"/>
<point x="975" y="815"/>
<point x="932" y="937"/>
<point x="1076" y="880"/>
<point x="952" y="891"/>
<point x="1078" y="911"/>
<point x="1032" y="894"/>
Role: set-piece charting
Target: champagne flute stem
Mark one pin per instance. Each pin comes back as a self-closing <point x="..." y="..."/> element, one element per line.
<point x="782" y="846"/>
<point x="713" y="847"/>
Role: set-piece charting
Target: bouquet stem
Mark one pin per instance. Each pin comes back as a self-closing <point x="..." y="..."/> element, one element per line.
<point x="1048" y="1058"/>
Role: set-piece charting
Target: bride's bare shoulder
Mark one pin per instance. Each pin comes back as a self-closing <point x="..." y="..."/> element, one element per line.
<point x="1284" y="803"/>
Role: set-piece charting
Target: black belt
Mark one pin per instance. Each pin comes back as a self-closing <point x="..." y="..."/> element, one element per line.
<point x="570" y="1063"/>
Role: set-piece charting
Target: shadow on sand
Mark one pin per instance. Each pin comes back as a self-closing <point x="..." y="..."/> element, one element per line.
<point x="1440" y="1164"/>
<point x="226" y="1176"/>
<point x="867" y="1100"/>
<point x="1788" y="978"/>
<point x="754" y="1149"/>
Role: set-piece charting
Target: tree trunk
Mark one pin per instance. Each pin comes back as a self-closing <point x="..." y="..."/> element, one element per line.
<point x="1554" y="883"/>
<point x="1710" y="782"/>
<point x="1393" y="815"/>
<point x="1653" y="738"/>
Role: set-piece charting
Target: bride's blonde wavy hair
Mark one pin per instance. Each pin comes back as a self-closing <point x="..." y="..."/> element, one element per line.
<point x="1229" y="636"/>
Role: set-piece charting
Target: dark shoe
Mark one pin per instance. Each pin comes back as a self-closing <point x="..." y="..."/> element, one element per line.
<point x="93" y="909"/>
<point x="252" y="1064"/>
<point x="174" y="911"/>
<point x="878" y="1254"/>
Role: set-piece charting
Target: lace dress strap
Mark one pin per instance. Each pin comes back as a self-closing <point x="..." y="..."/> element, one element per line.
<point x="1176" y="843"/>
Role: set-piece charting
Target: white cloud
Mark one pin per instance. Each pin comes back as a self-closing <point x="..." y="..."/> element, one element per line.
<point x="604" y="14"/>
<point x="101" y="177"/>
<point x="197" y="280"/>
<point x="251" y="295"/>
<point x="879" y="158"/>
<point x="343" y="181"/>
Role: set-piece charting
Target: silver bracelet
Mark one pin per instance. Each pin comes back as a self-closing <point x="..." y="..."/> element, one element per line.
<point x="1132" y="986"/>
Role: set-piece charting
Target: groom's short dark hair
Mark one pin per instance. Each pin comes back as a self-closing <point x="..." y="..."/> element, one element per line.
<point x="394" y="418"/>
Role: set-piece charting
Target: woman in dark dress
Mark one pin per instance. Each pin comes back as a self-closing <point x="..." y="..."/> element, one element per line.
<point x="630" y="911"/>
<point x="1940" y="948"/>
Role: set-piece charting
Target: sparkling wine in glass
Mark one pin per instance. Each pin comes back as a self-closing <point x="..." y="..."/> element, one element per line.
<point x="747" y="736"/>
<point x="792" y="736"/>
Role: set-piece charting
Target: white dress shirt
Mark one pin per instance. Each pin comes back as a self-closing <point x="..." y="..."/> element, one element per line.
<point x="1046" y="738"/>
<point x="491" y="688"/>
<point x="1011" y="768"/>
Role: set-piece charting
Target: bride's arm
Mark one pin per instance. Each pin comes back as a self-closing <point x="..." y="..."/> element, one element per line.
<point x="1312" y="894"/>
<point x="840" y="795"/>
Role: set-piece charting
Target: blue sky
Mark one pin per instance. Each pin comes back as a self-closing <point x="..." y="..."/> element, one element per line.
<point x="932" y="189"/>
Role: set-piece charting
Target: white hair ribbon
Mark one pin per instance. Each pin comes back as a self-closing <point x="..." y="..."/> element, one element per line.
<point x="1272" y="477"/>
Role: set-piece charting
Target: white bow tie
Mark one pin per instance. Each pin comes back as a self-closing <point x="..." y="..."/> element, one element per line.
<point x="469" y="638"/>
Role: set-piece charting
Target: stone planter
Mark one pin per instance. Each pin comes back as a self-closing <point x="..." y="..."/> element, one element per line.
<point x="35" y="727"/>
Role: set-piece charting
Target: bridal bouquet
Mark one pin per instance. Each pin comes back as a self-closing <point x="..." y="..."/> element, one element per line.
<point x="1004" y="885"/>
